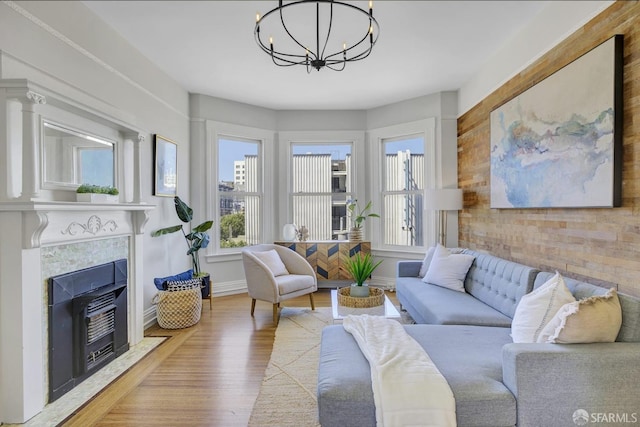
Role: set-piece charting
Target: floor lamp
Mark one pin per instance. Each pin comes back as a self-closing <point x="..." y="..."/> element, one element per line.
<point x="443" y="200"/>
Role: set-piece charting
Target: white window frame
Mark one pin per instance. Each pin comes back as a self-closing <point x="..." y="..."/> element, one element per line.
<point x="427" y="129"/>
<point x="286" y="141"/>
<point x="265" y="139"/>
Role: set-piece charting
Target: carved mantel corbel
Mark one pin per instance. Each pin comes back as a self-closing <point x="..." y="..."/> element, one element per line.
<point x="35" y="97"/>
<point x="34" y="223"/>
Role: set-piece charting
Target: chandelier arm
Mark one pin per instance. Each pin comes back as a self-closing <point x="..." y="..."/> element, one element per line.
<point x="326" y="41"/>
<point x="279" y="55"/>
<point x="288" y="33"/>
<point x="357" y="57"/>
<point x="363" y="39"/>
<point x="331" y="67"/>
<point x="283" y="57"/>
<point x="285" y="62"/>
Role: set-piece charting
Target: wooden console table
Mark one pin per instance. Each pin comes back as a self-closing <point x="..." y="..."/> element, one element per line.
<point x="328" y="257"/>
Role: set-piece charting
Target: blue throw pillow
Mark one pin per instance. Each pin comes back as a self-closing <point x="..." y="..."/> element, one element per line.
<point x="160" y="282"/>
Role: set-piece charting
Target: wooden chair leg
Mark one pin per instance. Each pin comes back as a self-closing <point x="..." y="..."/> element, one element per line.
<point x="313" y="306"/>
<point x="253" y="306"/>
<point x="275" y="312"/>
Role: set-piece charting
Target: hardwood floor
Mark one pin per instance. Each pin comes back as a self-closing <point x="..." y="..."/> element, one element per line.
<point x="206" y="375"/>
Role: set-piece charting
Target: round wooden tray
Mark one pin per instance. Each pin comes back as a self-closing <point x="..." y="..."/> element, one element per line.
<point x="375" y="298"/>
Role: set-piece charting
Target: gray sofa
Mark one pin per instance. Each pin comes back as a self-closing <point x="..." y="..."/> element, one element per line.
<point x="495" y="382"/>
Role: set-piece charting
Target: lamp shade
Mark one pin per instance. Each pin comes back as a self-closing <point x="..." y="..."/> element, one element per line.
<point x="443" y="199"/>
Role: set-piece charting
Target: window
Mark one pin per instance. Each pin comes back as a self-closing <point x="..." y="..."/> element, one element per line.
<point x="402" y="190"/>
<point x="403" y="159"/>
<point x="321" y="178"/>
<point x="239" y="192"/>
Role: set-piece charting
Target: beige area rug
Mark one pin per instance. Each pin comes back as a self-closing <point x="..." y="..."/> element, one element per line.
<point x="54" y="413"/>
<point x="287" y="395"/>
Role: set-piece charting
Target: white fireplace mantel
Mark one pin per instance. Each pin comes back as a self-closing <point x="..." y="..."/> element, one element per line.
<point x="46" y="223"/>
<point x="26" y="229"/>
<point x="38" y="218"/>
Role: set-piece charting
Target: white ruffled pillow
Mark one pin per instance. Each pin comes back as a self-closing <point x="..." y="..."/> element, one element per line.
<point x="273" y="261"/>
<point x="594" y="319"/>
<point x="536" y="309"/>
<point x="448" y="270"/>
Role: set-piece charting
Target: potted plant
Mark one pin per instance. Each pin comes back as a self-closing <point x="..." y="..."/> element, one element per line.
<point x="360" y="267"/>
<point x="97" y="193"/>
<point x="196" y="239"/>
<point x="357" y="218"/>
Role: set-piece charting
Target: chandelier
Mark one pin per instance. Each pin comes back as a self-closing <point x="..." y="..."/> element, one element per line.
<point x="355" y="24"/>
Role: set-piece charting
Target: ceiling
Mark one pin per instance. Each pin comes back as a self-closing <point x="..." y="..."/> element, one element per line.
<point x="424" y="47"/>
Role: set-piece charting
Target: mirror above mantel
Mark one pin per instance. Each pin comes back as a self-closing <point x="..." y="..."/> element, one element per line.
<point x="55" y="143"/>
<point x="72" y="157"/>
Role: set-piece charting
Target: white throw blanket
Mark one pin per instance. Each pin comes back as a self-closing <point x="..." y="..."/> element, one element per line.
<point x="408" y="389"/>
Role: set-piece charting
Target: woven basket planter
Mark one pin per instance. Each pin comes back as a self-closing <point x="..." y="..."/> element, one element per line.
<point x="355" y="235"/>
<point x="375" y="298"/>
<point x="178" y="309"/>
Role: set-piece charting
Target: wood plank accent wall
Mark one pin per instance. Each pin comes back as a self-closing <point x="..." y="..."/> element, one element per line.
<point x="601" y="246"/>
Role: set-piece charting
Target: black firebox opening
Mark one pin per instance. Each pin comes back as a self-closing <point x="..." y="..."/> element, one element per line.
<point x="87" y="323"/>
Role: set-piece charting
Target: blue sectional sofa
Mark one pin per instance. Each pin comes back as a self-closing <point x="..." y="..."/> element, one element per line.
<point x="493" y="287"/>
<point x="495" y="381"/>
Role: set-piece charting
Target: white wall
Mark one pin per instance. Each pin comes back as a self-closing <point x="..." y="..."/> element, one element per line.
<point x="553" y="24"/>
<point x="321" y="120"/>
<point x="65" y="47"/>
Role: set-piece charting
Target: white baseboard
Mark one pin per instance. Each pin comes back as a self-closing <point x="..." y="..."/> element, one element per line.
<point x="386" y="283"/>
<point x="149" y="316"/>
<point x="221" y="289"/>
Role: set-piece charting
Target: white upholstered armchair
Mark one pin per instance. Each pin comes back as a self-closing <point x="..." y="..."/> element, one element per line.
<point x="275" y="273"/>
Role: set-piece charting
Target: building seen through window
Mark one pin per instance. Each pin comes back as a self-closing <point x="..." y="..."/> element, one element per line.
<point x="239" y="192"/>
<point x="402" y="194"/>
<point x="321" y="177"/>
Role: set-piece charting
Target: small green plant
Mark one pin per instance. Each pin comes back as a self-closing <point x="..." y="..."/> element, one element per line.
<point x="232" y="244"/>
<point x="196" y="239"/>
<point x="361" y="267"/>
<point x="97" y="189"/>
<point x="358" y="216"/>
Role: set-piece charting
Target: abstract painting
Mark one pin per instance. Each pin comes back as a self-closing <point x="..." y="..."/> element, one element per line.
<point x="559" y="143"/>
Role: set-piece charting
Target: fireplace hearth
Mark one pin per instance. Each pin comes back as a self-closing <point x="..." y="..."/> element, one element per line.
<point x="87" y="323"/>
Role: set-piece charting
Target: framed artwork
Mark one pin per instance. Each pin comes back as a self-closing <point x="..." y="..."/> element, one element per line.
<point x="165" y="154"/>
<point x="559" y="143"/>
